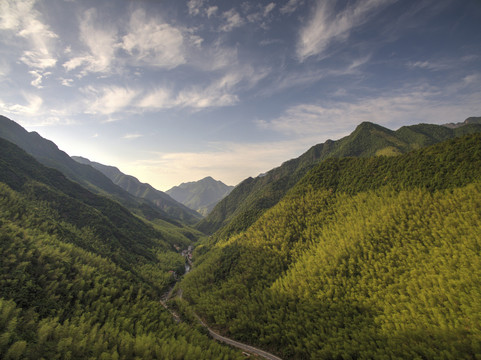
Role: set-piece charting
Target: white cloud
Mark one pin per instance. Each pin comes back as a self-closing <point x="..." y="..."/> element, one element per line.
<point x="472" y="79"/>
<point x="430" y="65"/>
<point x="101" y="42"/>
<point x="38" y="75"/>
<point x="37" y="60"/>
<point x="219" y="93"/>
<point x="33" y="106"/>
<point x="211" y="10"/>
<point x="25" y="24"/>
<point x="232" y="20"/>
<point x="153" y="42"/>
<point x="269" y="7"/>
<point x="66" y="82"/>
<point x="194" y="6"/>
<point x="108" y="100"/>
<point x="308" y="76"/>
<point x="413" y="105"/>
<point x="158" y="99"/>
<point x="261" y="14"/>
<point x="131" y="136"/>
<point x="291" y="6"/>
<point x="326" y="27"/>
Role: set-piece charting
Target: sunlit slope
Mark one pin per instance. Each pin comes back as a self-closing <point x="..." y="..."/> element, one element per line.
<point x="80" y="276"/>
<point x="364" y="258"/>
<point x="243" y="206"/>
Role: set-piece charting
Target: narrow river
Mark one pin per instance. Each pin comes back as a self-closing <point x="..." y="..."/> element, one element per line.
<point x="244" y="347"/>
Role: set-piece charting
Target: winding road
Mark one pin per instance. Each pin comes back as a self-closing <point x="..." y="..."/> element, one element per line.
<point x="244" y="347"/>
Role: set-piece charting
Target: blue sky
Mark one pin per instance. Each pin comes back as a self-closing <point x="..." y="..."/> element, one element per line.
<point x="172" y="91"/>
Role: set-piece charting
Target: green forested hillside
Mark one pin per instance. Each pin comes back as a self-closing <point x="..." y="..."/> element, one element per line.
<point x="364" y="258"/>
<point x="253" y="196"/>
<point x="81" y="277"/>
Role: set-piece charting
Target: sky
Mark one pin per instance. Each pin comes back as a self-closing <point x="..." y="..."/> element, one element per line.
<point x="172" y="91"/>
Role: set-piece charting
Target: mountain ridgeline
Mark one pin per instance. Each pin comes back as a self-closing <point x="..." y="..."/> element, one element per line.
<point x="252" y="197"/>
<point x="200" y="195"/>
<point x="367" y="247"/>
<point x="163" y="207"/>
<point x="363" y="258"/>
<point x="144" y="191"/>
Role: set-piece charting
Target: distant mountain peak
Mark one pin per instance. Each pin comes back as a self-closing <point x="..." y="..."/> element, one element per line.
<point x="201" y="195"/>
<point x="143" y="190"/>
<point x="469" y="120"/>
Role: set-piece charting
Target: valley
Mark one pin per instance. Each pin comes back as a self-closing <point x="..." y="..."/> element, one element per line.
<point x="363" y="247"/>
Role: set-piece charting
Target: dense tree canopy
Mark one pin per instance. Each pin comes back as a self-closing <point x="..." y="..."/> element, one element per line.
<point x="81" y="277"/>
<point x="364" y="258"/>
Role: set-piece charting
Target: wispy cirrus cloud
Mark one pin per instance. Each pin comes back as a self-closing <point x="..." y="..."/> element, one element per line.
<point x="25" y="23"/>
<point x="407" y="106"/>
<point x="195" y="6"/>
<point x="308" y="76"/>
<point x="31" y="106"/>
<point x="326" y="26"/>
<point x="144" y="41"/>
<point x="108" y="99"/>
<point x="232" y="20"/>
<point x="100" y="42"/>
<point x="153" y="42"/>
<point x="131" y="136"/>
<point x="291" y="6"/>
<point x="220" y="92"/>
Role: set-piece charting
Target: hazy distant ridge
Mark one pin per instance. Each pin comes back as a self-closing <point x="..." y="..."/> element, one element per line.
<point x="200" y="195"/>
<point x="144" y="191"/>
<point x="47" y="153"/>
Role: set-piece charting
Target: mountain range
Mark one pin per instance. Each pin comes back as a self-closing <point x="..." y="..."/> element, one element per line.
<point x="144" y="191"/>
<point x="253" y="196"/>
<point x="200" y="195"/>
<point x="158" y="205"/>
<point x="366" y="247"/>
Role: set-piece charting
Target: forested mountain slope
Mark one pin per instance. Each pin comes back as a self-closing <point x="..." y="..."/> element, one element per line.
<point x="200" y="195"/>
<point x="47" y="153"/>
<point x="243" y="206"/>
<point x="144" y="191"/>
<point x="364" y="258"/>
<point x="81" y="277"/>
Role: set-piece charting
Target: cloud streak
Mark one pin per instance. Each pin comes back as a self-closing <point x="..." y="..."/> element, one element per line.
<point x="101" y="43"/>
<point x="108" y="100"/>
<point x="326" y="27"/>
<point x="24" y="23"/>
<point x="410" y="106"/>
